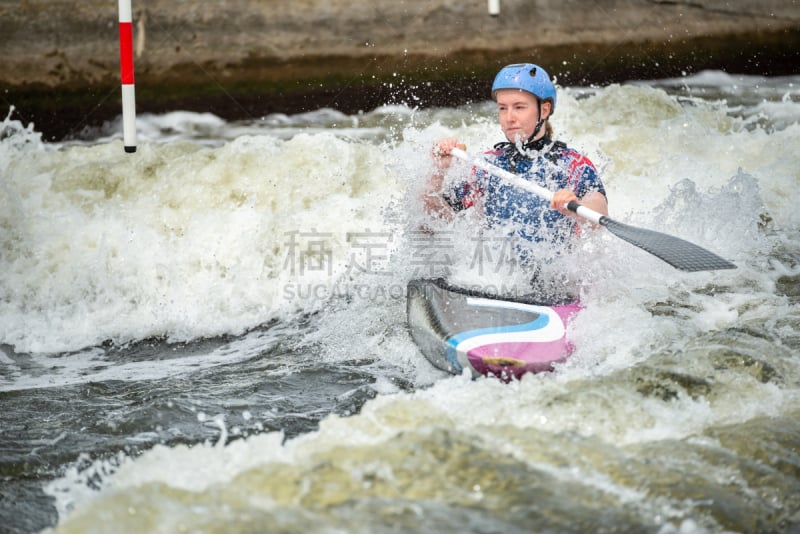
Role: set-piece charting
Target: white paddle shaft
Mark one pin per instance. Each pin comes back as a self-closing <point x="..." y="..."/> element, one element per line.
<point x="516" y="181"/>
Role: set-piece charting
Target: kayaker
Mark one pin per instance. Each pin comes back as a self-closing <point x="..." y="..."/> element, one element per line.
<point x="526" y="99"/>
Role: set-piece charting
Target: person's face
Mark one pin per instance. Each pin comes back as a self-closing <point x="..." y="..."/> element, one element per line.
<point x="518" y="112"/>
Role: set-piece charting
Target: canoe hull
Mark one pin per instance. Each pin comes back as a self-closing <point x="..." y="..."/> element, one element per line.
<point x="459" y="329"/>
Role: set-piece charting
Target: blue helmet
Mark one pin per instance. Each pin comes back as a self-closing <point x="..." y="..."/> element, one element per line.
<point x="526" y="77"/>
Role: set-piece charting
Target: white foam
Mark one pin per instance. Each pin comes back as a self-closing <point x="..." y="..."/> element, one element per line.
<point x="189" y="241"/>
<point x="182" y="241"/>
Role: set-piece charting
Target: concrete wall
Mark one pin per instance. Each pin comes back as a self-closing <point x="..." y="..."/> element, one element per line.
<point x="250" y="57"/>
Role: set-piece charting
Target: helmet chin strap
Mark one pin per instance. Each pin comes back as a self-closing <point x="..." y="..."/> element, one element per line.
<point x="538" y="125"/>
<point x="535" y="131"/>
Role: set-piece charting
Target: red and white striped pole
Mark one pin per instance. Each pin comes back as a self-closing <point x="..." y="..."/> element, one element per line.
<point x="126" y="73"/>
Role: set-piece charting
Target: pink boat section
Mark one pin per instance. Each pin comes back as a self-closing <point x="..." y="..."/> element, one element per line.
<point x="509" y="351"/>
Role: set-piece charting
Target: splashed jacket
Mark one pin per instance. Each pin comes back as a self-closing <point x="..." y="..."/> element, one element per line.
<point x="521" y="213"/>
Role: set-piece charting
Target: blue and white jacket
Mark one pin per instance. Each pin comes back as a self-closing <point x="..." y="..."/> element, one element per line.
<point x="522" y="213"/>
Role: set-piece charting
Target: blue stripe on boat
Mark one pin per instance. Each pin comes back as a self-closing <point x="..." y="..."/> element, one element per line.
<point x="453" y="341"/>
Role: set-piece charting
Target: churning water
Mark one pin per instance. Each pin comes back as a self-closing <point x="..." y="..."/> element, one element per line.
<point x="209" y="335"/>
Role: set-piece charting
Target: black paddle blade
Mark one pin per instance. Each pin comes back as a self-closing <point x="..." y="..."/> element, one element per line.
<point x="677" y="252"/>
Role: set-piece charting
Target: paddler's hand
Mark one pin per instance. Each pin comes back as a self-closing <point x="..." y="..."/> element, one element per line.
<point x="561" y="198"/>
<point x="441" y="152"/>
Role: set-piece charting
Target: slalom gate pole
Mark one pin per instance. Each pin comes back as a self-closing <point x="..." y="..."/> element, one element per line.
<point x="126" y="74"/>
